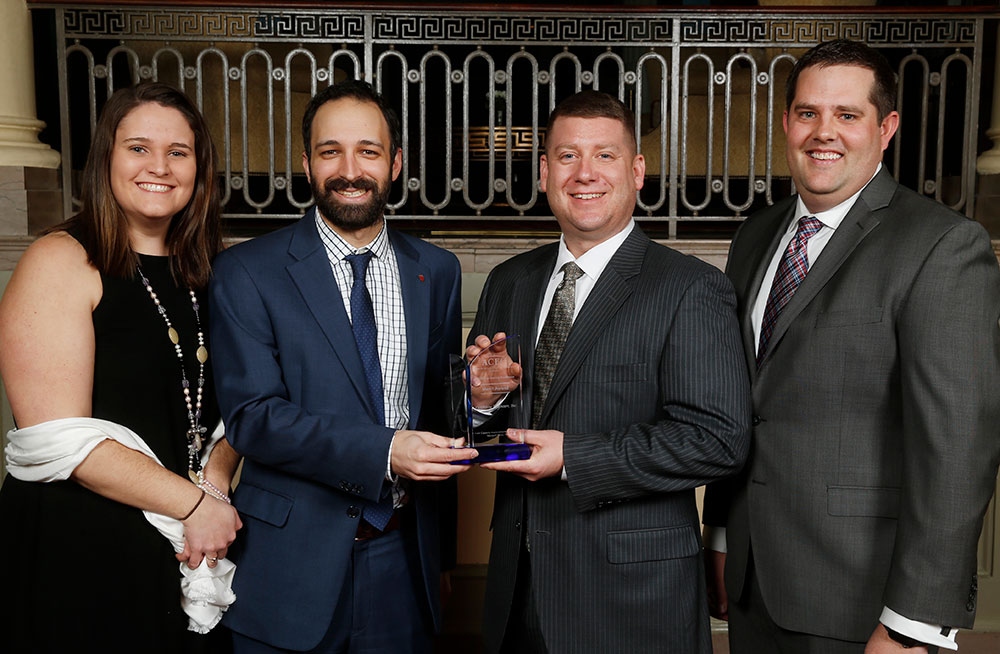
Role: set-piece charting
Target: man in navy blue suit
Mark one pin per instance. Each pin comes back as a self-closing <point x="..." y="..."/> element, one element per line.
<point x="331" y="340"/>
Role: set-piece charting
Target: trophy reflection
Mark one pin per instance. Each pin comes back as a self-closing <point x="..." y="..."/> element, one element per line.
<point x="486" y="401"/>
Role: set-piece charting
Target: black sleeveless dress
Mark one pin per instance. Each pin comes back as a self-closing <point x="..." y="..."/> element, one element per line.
<point x="81" y="571"/>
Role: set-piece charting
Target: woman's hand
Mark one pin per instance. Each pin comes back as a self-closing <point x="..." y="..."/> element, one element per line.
<point x="208" y="532"/>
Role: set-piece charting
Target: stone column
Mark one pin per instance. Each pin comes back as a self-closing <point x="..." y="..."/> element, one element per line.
<point x="19" y="128"/>
<point x="27" y="166"/>
<point x="988" y="164"/>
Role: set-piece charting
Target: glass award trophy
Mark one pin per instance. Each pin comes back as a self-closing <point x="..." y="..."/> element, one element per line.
<point x="483" y="412"/>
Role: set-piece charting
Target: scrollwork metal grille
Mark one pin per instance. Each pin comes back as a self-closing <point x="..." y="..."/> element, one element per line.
<point x="475" y="89"/>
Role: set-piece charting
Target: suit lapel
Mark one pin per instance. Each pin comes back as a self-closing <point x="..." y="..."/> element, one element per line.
<point x="612" y="289"/>
<point x="762" y="247"/>
<point x="856" y="226"/>
<point x="312" y="275"/>
<point x="524" y="313"/>
<point x="415" y="280"/>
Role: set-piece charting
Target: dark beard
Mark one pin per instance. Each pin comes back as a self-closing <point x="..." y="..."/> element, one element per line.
<point x="350" y="216"/>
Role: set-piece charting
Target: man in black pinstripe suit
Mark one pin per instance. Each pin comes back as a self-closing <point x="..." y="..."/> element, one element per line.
<point x="595" y="537"/>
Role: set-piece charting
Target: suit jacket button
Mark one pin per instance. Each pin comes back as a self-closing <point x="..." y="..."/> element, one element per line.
<point x="970" y="606"/>
<point x="353" y="512"/>
<point x="517" y="524"/>
<point x="343" y="485"/>
<point x="755" y="420"/>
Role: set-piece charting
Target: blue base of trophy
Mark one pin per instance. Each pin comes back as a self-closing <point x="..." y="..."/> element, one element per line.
<point x="499" y="452"/>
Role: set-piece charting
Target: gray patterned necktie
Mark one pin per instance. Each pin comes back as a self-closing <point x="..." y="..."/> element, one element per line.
<point x="553" y="337"/>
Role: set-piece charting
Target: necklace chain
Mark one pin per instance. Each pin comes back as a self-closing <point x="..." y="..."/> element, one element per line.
<point x="196" y="430"/>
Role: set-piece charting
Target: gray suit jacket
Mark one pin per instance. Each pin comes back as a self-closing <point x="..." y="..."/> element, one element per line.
<point x="876" y="419"/>
<point x="652" y="395"/>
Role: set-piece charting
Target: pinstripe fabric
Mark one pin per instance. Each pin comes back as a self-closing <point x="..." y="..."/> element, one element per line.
<point x="652" y="394"/>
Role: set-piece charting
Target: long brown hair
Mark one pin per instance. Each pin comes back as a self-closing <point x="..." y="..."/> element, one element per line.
<point x="195" y="233"/>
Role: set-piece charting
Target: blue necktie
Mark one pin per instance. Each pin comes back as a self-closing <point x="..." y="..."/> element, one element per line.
<point x="366" y="336"/>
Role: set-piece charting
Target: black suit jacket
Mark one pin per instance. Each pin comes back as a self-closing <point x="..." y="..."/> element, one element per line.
<point x="877" y="419"/>
<point x="652" y="395"/>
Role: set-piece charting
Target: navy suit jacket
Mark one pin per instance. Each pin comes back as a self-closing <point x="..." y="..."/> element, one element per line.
<point x="295" y="403"/>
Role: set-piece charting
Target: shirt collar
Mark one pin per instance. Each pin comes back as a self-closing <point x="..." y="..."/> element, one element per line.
<point x="831" y="217"/>
<point x="339" y="248"/>
<point x="595" y="260"/>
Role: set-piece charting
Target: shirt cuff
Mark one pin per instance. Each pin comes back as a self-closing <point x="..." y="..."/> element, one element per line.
<point x="481" y="415"/>
<point x="714" y="538"/>
<point x="388" y="463"/>
<point x="932" y="634"/>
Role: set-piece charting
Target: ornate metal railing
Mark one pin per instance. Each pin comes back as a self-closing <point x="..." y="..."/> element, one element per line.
<point x="475" y="88"/>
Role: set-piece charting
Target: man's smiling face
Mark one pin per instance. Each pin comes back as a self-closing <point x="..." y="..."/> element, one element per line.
<point x="834" y="137"/>
<point x="590" y="174"/>
<point x="349" y="166"/>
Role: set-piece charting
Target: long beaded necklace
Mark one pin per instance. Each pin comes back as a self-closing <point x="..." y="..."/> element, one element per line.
<point x="196" y="430"/>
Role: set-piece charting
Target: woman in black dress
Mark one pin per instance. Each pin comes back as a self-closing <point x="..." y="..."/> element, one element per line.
<point x="104" y="317"/>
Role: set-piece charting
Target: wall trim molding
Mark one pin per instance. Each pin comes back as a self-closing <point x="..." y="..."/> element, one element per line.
<point x="476" y="254"/>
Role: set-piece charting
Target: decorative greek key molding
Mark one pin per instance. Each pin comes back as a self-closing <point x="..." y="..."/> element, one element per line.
<point x="809" y="30"/>
<point x="536" y="28"/>
<point x="463" y="70"/>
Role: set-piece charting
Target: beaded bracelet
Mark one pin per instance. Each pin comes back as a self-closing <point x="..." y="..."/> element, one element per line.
<point x="195" y="507"/>
<point x="214" y="491"/>
<point x="211" y="488"/>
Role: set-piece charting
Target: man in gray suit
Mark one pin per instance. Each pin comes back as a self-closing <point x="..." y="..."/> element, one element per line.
<point x="632" y="363"/>
<point x="869" y="316"/>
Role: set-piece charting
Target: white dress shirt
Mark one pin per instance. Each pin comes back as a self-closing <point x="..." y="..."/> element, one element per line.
<point x="831" y="220"/>
<point x="715" y="537"/>
<point x="592" y="263"/>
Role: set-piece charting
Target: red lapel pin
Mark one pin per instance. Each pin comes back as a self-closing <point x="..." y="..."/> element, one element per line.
<point x="420" y="277"/>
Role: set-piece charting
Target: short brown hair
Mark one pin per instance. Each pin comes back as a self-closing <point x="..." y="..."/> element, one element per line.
<point x="356" y="90"/>
<point x="844" y="52"/>
<point x="595" y="104"/>
<point x="195" y="234"/>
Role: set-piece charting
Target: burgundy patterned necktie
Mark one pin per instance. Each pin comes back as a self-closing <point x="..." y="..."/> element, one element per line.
<point x="552" y="339"/>
<point x="791" y="271"/>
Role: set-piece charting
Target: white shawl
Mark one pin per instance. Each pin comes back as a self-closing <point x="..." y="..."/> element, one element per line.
<point x="50" y="451"/>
